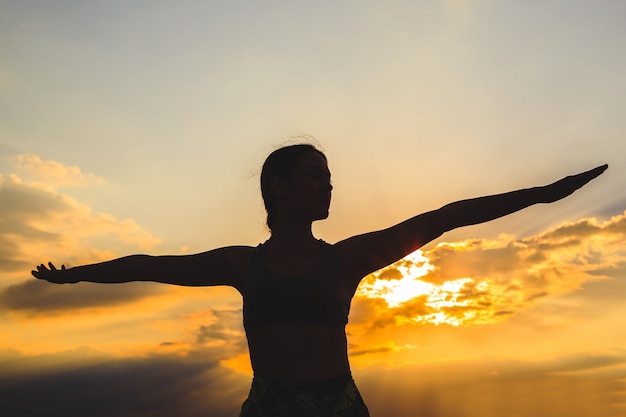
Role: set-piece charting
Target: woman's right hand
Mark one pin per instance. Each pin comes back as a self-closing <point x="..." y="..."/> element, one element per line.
<point x="52" y="274"/>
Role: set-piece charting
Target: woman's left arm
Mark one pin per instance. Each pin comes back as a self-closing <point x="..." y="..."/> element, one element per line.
<point x="366" y="253"/>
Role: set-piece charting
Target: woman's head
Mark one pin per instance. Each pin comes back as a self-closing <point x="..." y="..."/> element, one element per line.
<point x="281" y="164"/>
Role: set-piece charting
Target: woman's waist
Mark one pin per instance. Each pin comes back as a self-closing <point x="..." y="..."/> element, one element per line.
<point x="301" y="370"/>
<point x="339" y="380"/>
<point x="297" y="352"/>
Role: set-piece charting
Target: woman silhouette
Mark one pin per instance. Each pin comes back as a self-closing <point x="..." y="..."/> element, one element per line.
<point x="297" y="289"/>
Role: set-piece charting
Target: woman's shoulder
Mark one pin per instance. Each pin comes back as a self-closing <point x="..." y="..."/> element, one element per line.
<point x="233" y="258"/>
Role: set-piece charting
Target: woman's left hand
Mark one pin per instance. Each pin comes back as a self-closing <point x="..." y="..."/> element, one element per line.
<point x="52" y="274"/>
<point x="566" y="186"/>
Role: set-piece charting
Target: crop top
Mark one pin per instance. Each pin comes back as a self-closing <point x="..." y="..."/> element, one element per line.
<point x="314" y="298"/>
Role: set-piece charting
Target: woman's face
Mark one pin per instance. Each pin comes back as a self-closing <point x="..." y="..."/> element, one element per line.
<point x="308" y="190"/>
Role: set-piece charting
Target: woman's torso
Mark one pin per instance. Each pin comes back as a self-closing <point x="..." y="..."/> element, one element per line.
<point x="295" y="323"/>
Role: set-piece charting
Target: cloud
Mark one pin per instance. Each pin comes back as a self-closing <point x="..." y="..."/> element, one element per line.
<point x="35" y="296"/>
<point x="226" y="331"/>
<point x="198" y="375"/>
<point x="80" y="385"/>
<point x="38" y="224"/>
<point x="486" y="280"/>
<point x="52" y="173"/>
<point x="384" y="348"/>
<point x="36" y="221"/>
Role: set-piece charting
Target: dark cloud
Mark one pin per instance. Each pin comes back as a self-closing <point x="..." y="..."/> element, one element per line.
<point x="579" y="385"/>
<point x="86" y="383"/>
<point x="156" y="386"/>
<point x="34" y="296"/>
<point x="227" y="330"/>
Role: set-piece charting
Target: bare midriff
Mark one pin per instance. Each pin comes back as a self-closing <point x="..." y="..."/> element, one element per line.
<point x="299" y="352"/>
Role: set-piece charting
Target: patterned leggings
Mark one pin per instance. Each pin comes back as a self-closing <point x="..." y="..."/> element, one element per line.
<point x="336" y="397"/>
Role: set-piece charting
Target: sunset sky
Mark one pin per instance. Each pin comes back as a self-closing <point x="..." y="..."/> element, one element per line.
<point x="141" y="127"/>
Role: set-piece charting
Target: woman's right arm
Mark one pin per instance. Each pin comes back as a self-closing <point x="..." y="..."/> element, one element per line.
<point x="223" y="266"/>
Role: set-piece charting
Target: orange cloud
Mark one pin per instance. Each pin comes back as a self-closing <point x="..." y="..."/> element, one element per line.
<point x="38" y="224"/>
<point x="486" y="280"/>
<point x="53" y="173"/>
<point x="34" y="296"/>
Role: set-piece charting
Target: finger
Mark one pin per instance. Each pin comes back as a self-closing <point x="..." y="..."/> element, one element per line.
<point x="592" y="173"/>
<point x="52" y="267"/>
<point x="600" y="169"/>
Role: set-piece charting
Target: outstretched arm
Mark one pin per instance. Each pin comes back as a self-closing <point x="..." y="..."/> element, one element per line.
<point x="363" y="254"/>
<point x="224" y="266"/>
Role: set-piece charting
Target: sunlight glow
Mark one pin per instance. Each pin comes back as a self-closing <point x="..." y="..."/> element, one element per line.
<point x="398" y="291"/>
<point x="443" y="303"/>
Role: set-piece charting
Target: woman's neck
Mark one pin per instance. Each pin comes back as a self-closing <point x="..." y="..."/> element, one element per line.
<point x="291" y="253"/>
<point x="291" y="236"/>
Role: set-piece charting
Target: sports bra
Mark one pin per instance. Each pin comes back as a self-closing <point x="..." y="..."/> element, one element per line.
<point x="317" y="297"/>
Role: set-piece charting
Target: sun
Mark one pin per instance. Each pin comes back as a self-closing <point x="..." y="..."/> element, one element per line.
<point x="401" y="283"/>
<point x="398" y="291"/>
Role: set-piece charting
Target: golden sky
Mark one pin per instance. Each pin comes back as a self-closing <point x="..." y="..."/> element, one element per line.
<point x="451" y="328"/>
<point x="141" y="128"/>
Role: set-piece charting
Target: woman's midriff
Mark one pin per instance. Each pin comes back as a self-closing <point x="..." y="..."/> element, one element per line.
<point x="299" y="352"/>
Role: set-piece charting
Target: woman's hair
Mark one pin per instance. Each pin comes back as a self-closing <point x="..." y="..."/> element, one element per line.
<point x="281" y="163"/>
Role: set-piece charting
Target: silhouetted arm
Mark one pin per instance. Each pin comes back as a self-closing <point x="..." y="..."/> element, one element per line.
<point x="363" y="254"/>
<point x="224" y="266"/>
